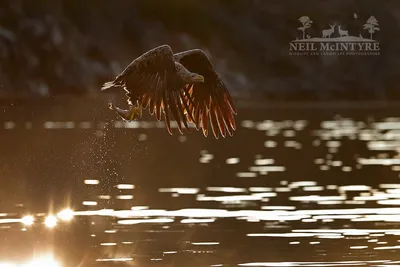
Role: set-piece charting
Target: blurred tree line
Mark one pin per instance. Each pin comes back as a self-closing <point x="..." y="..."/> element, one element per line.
<point x="50" y="48"/>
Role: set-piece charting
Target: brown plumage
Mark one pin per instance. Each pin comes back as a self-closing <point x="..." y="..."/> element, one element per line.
<point x="184" y="85"/>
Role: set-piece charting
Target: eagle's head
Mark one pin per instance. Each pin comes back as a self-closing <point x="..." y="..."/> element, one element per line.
<point x="196" y="78"/>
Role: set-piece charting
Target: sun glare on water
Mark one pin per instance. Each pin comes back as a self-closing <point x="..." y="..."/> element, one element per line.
<point x="44" y="261"/>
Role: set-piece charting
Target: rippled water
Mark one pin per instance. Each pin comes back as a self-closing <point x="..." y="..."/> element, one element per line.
<point x="290" y="189"/>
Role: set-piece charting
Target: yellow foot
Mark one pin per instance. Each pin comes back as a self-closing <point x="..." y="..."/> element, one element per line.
<point x="139" y="110"/>
<point x="133" y="113"/>
<point x="130" y="114"/>
<point x="136" y="112"/>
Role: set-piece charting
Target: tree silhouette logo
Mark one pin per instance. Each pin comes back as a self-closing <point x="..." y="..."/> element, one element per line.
<point x="306" y="24"/>
<point x="371" y="26"/>
<point x="336" y="39"/>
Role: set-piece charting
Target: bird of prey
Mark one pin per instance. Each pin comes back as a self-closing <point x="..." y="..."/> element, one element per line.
<point x="184" y="84"/>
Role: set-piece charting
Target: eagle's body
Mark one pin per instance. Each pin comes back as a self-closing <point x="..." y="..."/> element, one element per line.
<point x="184" y="84"/>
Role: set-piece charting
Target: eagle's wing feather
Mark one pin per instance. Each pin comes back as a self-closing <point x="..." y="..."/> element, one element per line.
<point x="210" y="100"/>
<point x="152" y="81"/>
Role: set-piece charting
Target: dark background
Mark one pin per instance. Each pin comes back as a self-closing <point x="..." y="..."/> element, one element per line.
<point x="54" y="57"/>
<point x="49" y="48"/>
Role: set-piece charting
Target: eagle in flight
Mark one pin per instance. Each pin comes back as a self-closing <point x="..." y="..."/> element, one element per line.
<point x="184" y="84"/>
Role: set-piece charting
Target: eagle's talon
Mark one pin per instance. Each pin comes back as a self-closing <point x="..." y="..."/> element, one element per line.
<point x="139" y="110"/>
<point x="132" y="114"/>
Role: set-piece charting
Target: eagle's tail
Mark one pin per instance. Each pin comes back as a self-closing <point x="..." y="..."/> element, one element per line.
<point x="109" y="85"/>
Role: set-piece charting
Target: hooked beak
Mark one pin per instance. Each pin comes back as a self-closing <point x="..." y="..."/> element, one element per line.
<point x="199" y="78"/>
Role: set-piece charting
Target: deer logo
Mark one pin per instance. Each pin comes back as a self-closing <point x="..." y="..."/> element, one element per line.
<point x="328" y="32"/>
<point x="343" y="32"/>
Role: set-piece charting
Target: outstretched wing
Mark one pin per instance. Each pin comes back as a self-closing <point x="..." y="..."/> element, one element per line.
<point x="151" y="80"/>
<point x="210" y="100"/>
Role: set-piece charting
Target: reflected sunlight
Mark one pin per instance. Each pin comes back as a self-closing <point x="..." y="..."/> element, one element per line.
<point x="50" y="221"/>
<point x="66" y="215"/>
<point x="28" y="220"/>
<point x="43" y="261"/>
